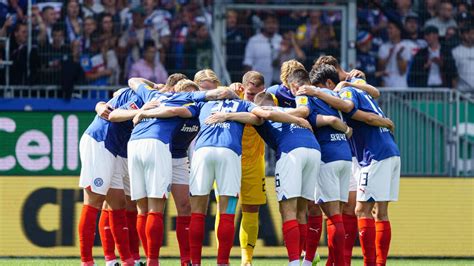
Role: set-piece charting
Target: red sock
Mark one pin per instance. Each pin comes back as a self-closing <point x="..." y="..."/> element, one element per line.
<point x="182" y="234"/>
<point x="382" y="240"/>
<point x="196" y="236"/>
<point x="154" y="234"/>
<point x="141" y="229"/>
<point x="303" y="233"/>
<point x="315" y="225"/>
<point x="367" y="239"/>
<point x="291" y="235"/>
<point x="108" y="244"/>
<point x="118" y="224"/>
<point x="225" y="235"/>
<point x="352" y="231"/>
<point x="336" y="238"/>
<point x="134" y="240"/>
<point x="87" y="225"/>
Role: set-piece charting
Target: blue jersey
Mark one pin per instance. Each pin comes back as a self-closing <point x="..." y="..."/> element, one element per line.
<point x="183" y="136"/>
<point x="115" y="135"/>
<point x="282" y="96"/>
<point x="284" y="137"/>
<point x="334" y="145"/>
<point x="371" y="143"/>
<point x="162" y="128"/>
<point x="227" y="134"/>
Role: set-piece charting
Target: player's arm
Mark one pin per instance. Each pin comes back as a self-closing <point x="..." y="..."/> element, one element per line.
<point x="373" y="120"/>
<point x="334" y="122"/>
<point x="163" y="112"/>
<point x="220" y="94"/>
<point x="121" y="115"/>
<point x="134" y="83"/>
<point x="103" y="109"/>
<point x="345" y="106"/>
<point x="371" y="90"/>
<point x="241" y="117"/>
<point x="282" y="117"/>
<point x="300" y="111"/>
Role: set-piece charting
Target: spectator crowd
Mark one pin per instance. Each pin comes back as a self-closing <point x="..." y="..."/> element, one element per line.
<point x="401" y="43"/>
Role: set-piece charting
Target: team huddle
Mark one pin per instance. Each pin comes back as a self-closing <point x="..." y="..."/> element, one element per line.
<point x="336" y="157"/>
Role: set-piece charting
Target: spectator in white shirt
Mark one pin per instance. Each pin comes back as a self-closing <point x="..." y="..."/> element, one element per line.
<point x="45" y="24"/>
<point x="394" y="56"/>
<point x="261" y="52"/>
<point x="444" y="20"/>
<point x="463" y="56"/>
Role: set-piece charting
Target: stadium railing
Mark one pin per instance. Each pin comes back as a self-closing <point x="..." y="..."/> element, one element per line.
<point x="434" y="130"/>
<point x="434" y="126"/>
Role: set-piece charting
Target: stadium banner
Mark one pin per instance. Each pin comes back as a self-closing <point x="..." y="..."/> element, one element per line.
<point x="41" y="143"/>
<point x="39" y="217"/>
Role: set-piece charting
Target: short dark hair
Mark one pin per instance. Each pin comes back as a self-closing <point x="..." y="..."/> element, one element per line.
<point x="57" y="27"/>
<point x="19" y="25"/>
<point x="298" y="76"/>
<point x="466" y="28"/>
<point x="147" y="44"/>
<point x="270" y="15"/>
<point x="322" y="73"/>
<point x="46" y="8"/>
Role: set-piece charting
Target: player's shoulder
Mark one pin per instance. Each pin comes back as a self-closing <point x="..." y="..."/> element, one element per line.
<point x="272" y="89"/>
<point x="357" y="80"/>
<point x="349" y="92"/>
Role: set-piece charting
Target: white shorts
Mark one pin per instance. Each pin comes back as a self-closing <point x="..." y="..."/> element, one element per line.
<point x="98" y="167"/>
<point x="180" y="171"/>
<point x="149" y="161"/>
<point x="333" y="182"/>
<point x="296" y="173"/>
<point x="355" y="175"/>
<point x="380" y="180"/>
<point x="121" y="171"/>
<point x="215" y="163"/>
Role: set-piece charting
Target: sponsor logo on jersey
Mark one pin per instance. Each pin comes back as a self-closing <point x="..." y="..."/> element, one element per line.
<point x="188" y="129"/>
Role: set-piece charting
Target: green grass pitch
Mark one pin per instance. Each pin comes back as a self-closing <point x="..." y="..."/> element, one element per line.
<point x="235" y="261"/>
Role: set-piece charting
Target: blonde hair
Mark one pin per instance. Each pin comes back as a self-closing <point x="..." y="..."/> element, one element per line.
<point x="206" y="74"/>
<point x="253" y="76"/>
<point x="286" y="68"/>
<point x="183" y="84"/>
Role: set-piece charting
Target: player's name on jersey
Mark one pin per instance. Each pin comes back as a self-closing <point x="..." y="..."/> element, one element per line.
<point x="224" y="125"/>
<point x="338" y="137"/>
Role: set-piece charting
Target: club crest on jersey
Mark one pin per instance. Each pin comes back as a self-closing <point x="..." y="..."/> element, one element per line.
<point x="98" y="182"/>
<point x="347" y="94"/>
<point x="133" y="106"/>
<point x="302" y="100"/>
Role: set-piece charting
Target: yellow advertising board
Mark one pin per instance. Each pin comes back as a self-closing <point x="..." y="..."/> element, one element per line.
<point x="39" y="215"/>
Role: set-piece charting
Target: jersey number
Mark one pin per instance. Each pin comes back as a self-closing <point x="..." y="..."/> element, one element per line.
<point x="227" y="106"/>
<point x="375" y="108"/>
